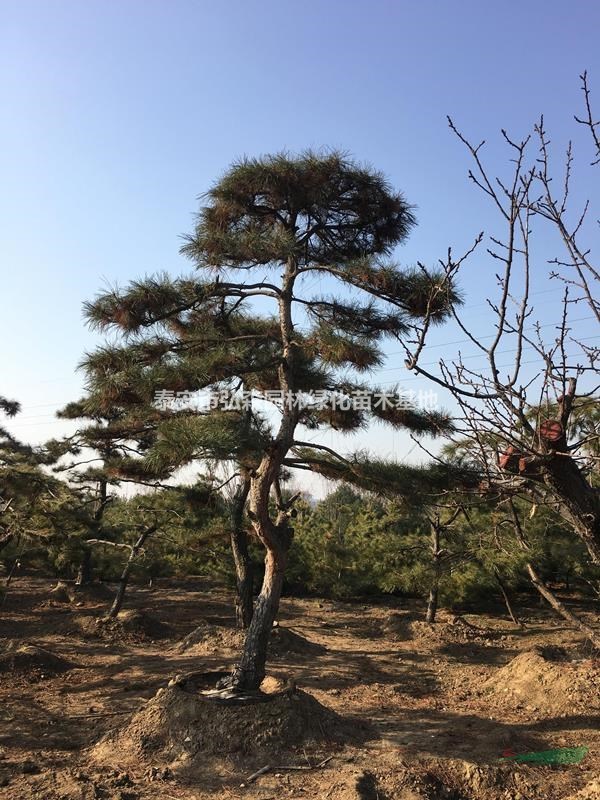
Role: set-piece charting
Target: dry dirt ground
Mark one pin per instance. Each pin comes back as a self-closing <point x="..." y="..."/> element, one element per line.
<point x="397" y="709"/>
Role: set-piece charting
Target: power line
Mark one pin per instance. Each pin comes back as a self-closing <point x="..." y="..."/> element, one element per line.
<point x="477" y="355"/>
<point x="394" y="353"/>
<point x="492" y="335"/>
<point x="381" y="369"/>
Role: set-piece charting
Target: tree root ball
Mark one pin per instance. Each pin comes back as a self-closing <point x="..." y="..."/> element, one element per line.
<point x="180" y="725"/>
<point x="138" y="623"/>
<point x="93" y="592"/>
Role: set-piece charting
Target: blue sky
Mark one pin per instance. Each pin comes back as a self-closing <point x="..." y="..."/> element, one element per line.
<point x="117" y="115"/>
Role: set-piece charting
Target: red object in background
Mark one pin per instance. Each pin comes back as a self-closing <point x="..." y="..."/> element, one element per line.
<point x="504" y="458"/>
<point x="523" y="465"/>
<point x="551" y="430"/>
<point x="509" y="460"/>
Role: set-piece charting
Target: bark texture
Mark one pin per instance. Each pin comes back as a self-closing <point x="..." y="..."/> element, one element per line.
<point x="432" y="601"/>
<point x="244" y="572"/>
<point x="250" y="670"/>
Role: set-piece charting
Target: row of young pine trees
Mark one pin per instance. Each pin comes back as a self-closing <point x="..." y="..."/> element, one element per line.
<point x="248" y="321"/>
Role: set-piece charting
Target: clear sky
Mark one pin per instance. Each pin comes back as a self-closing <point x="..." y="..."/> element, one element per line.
<point x="117" y="115"/>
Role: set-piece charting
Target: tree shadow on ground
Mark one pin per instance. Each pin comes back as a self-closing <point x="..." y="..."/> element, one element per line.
<point x="473" y="653"/>
<point x="469" y="736"/>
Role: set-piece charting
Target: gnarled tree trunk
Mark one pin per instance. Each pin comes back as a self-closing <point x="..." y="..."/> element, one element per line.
<point x="250" y="670"/>
<point x="276" y="535"/>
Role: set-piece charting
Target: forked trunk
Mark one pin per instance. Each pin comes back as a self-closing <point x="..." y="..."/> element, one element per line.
<point x="276" y="537"/>
<point x="250" y="671"/>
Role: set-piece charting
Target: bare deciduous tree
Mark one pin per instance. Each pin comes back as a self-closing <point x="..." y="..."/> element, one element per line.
<point x="517" y="423"/>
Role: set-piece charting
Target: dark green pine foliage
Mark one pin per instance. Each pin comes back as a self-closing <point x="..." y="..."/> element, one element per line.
<point x="104" y="452"/>
<point x="85" y="461"/>
<point x="32" y="502"/>
<point x="269" y="229"/>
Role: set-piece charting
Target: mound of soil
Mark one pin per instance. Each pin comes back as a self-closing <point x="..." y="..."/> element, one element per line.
<point x="139" y="623"/>
<point x="129" y="626"/>
<point x="28" y="659"/>
<point x="458" y="631"/>
<point x="181" y="727"/>
<point x="549" y="680"/>
<point x="285" y="641"/>
<point x="397" y="625"/>
<point x="589" y="792"/>
<point x="449" y="779"/>
<point x="208" y="638"/>
<point x="65" y="593"/>
<point x="93" y="592"/>
<point x="62" y="593"/>
<point x="404" y="625"/>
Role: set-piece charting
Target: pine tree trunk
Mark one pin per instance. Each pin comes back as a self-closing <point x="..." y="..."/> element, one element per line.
<point x="244" y="575"/>
<point x="84" y="573"/>
<point x="244" y="572"/>
<point x="560" y="608"/>
<point x="275" y="536"/>
<point x="250" y="671"/>
<point x="120" y="595"/>
<point x="124" y="580"/>
<point x="432" y="602"/>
